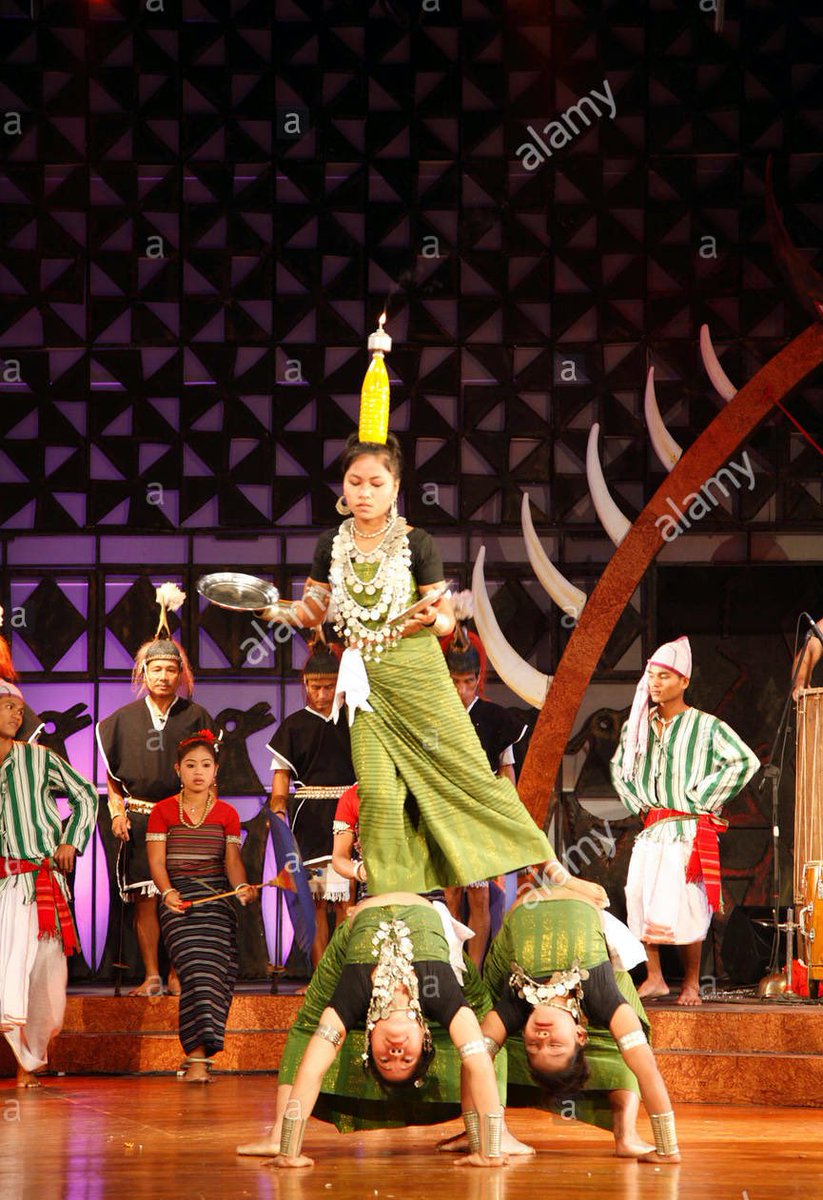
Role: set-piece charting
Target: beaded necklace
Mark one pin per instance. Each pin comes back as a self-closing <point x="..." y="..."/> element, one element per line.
<point x="188" y="821"/>
<point x="390" y="584"/>
<point x="394" y="950"/>
<point x="563" y="989"/>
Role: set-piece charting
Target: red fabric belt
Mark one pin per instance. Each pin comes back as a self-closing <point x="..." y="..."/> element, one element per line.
<point x="52" y="909"/>
<point x="704" y="862"/>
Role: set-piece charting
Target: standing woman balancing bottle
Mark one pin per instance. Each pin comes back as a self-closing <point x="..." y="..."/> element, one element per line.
<point x="409" y="730"/>
<point x="194" y="852"/>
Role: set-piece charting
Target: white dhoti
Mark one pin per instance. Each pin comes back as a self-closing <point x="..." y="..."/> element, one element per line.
<point x="662" y="908"/>
<point x="33" y="976"/>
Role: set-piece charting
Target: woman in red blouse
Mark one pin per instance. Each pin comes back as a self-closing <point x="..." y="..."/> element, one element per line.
<point x="193" y="843"/>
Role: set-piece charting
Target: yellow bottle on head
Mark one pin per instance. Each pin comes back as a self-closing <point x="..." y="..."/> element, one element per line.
<point x="374" y="395"/>
<point x="374" y="402"/>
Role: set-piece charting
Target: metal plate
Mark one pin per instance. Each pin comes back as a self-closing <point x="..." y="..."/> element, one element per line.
<point x="425" y="600"/>
<point x="236" y="591"/>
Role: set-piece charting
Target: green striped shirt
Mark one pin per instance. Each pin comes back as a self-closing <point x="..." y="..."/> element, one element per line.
<point x="31" y="778"/>
<point x="696" y="765"/>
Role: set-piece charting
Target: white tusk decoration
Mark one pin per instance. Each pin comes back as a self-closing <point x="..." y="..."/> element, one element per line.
<point x="609" y="515"/>
<point x="665" y="447"/>
<point x="524" y="680"/>
<point x="565" y="594"/>
<point x="720" y="380"/>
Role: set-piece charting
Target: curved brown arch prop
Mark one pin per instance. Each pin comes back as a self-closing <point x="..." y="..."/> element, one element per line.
<point x="638" y="550"/>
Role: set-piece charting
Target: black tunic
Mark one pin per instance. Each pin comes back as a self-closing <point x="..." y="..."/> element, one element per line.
<point x="426" y="563"/>
<point x="441" y="996"/>
<point x="601" y="1000"/>
<point x="141" y="758"/>
<point x="496" y="727"/>
<point x="317" y="753"/>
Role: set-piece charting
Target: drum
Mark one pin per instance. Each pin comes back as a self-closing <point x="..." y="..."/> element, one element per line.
<point x="811" y="919"/>
<point x="808" y="810"/>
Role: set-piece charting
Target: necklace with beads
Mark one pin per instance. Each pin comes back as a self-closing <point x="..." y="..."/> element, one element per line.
<point x="389" y="585"/>
<point x="190" y="822"/>
<point x="366" y="536"/>
<point x="564" y="989"/>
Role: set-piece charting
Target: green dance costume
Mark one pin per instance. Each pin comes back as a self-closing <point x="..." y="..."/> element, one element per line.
<point x="542" y="938"/>
<point x="418" y="741"/>
<point x="350" y="1098"/>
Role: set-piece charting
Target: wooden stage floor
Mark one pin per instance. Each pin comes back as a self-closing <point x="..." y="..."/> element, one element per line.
<point x="147" y="1138"/>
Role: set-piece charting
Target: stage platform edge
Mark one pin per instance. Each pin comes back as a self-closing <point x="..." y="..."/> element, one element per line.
<point x="749" y="1054"/>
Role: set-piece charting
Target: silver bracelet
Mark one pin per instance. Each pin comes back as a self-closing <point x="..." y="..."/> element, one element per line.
<point x="629" y="1040"/>
<point x="491" y="1134"/>
<point x="329" y="1034"/>
<point x="357" y="875"/>
<point x="471" y="1120"/>
<point x="167" y="891"/>
<point x="469" y="1048"/>
<point x="665" y="1134"/>
<point x="291" y="1136"/>
<point x="492" y="1046"/>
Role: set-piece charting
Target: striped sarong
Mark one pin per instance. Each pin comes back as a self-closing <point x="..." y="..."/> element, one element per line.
<point x="432" y="813"/>
<point x="202" y="945"/>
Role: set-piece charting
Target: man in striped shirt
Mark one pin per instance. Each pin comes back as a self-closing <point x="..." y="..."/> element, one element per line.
<point x="676" y="767"/>
<point x="35" y="856"/>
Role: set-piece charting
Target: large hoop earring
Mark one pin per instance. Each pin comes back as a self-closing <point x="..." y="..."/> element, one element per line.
<point x="342" y="507"/>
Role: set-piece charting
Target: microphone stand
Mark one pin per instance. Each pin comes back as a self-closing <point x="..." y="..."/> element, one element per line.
<point x="772" y="774"/>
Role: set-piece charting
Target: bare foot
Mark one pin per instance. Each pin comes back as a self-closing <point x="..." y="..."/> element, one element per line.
<point x="663" y="1160"/>
<point x="196" y="1072"/>
<point x="631" y="1148"/>
<point x="690" y="996"/>
<point x="152" y="985"/>
<point x="301" y="990"/>
<point x="26" y="1079"/>
<point x="651" y="989"/>
<point x="174" y="983"/>
<point x="478" y="1160"/>
<point x="458" y="1143"/>
<point x="285" y="1164"/>
<point x="265" y="1148"/>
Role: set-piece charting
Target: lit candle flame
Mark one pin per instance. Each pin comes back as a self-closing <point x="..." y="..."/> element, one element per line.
<point x="381" y="320"/>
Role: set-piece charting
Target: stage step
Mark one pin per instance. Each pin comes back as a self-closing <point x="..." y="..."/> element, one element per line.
<point x="763" y="1054"/>
<point x="754" y="1054"/>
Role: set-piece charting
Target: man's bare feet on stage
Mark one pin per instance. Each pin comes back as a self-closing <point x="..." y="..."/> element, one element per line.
<point x="174" y="983"/>
<point x="689" y="995"/>
<point x="152" y="985"/>
<point x="631" y="1148"/>
<point x="26" y="1079"/>
<point x="653" y="989"/>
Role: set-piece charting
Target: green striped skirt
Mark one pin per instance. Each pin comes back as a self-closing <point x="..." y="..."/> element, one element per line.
<point x="432" y="813"/>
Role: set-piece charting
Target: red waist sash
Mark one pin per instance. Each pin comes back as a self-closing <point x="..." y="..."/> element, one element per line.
<point x="704" y="862"/>
<point x="52" y="909"/>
